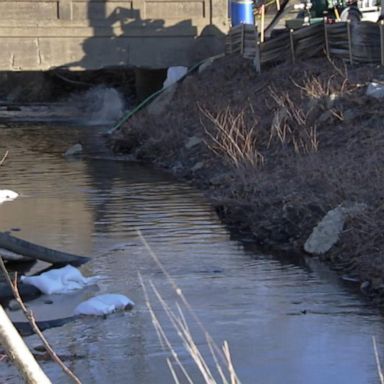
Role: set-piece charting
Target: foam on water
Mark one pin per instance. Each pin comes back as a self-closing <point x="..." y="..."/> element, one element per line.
<point x="99" y="105"/>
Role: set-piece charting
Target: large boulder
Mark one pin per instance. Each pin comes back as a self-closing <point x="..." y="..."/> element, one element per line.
<point x="327" y="232"/>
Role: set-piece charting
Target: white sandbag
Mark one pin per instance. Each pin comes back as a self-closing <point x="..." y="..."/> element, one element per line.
<point x="61" y="280"/>
<point x="173" y="75"/>
<point x="103" y="305"/>
<point x="375" y="90"/>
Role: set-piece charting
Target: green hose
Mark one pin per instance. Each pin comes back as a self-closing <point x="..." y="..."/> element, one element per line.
<point x="153" y="96"/>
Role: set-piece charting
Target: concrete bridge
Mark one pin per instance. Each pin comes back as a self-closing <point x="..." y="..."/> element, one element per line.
<point x="38" y="35"/>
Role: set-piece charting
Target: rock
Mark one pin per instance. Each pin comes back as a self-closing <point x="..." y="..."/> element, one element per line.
<point x="76" y="149"/>
<point x="354" y="208"/>
<point x="192" y="142"/>
<point x="326" y="233"/>
<point x="328" y="230"/>
<point x="160" y="104"/>
<point x="365" y="286"/>
<point x="197" y="166"/>
<point x="375" y="90"/>
<point x="13" y="305"/>
<point x="332" y="98"/>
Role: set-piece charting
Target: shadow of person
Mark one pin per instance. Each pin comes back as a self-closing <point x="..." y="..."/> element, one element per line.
<point x="122" y="38"/>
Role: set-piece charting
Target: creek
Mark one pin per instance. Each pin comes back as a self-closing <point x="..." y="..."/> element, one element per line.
<point x="286" y="321"/>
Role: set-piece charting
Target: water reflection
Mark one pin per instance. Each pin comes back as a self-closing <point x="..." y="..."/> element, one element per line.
<point x="285" y="322"/>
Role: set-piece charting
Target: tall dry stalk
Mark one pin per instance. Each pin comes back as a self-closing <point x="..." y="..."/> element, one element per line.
<point x="290" y="124"/>
<point x="3" y="158"/>
<point x="231" y="137"/>
<point x="223" y="367"/>
<point x="377" y="358"/>
<point x="314" y="87"/>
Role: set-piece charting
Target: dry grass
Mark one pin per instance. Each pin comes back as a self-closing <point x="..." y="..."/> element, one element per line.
<point x="290" y="124"/>
<point x="317" y="88"/>
<point x="232" y="138"/>
<point x="222" y="371"/>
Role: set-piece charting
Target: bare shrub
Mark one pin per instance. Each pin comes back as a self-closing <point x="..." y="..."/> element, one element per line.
<point x="232" y="138"/>
<point x="317" y="88"/>
<point x="290" y="124"/>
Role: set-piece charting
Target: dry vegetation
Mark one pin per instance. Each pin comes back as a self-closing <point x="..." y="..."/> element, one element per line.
<point x="221" y="370"/>
<point x="277" y="151"/>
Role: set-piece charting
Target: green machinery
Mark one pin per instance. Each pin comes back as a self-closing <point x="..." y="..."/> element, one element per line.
<point x="315" y="11"/>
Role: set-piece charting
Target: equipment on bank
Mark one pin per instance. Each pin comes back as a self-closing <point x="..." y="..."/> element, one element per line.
<point x="334" y="10"/>
<point x="294" y="14"/>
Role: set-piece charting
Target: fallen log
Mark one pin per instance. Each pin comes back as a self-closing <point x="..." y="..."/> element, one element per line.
<point x="7" y="255"/>
<point x="38" y="252"/>
<point x="25" y="329"/>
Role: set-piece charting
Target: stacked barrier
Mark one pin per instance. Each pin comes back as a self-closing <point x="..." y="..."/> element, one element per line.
<point x="353" y="42"/>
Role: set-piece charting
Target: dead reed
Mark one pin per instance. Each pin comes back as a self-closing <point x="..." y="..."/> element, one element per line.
<point x="223" y="370"/>
<point x="232" y="138"/>
<point x="290" y="124"/>
<point x="317" y="88"/>
<point x="377" y="358"/>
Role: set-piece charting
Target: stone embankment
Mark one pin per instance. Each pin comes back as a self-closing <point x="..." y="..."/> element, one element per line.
<point x="281" y="155"/>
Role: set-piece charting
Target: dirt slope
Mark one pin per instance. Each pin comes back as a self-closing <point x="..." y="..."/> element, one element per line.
<point x="276" y="151"/>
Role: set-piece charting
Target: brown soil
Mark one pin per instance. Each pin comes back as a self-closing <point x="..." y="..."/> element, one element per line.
<point x="277" y="151"/>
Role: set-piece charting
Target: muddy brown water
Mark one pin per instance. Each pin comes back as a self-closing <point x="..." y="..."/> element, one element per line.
<point x="285" y="321"/>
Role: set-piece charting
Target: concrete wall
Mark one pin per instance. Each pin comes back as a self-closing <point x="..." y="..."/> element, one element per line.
<point x="93" y="34"/>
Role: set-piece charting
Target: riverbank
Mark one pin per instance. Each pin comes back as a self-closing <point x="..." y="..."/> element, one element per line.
<point x="275" y="152"/>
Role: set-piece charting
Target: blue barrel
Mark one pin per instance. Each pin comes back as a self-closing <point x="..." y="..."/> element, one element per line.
<point x="242" y="12"/>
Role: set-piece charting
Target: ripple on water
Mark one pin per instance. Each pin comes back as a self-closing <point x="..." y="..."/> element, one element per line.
<point x="284" y="322"/>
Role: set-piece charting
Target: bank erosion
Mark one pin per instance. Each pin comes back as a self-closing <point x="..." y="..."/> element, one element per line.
<point x="276" y="152"/>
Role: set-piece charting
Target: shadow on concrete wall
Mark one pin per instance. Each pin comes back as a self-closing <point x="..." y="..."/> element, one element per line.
<point x="121" y="36"/>
<point x="104" y="37"/>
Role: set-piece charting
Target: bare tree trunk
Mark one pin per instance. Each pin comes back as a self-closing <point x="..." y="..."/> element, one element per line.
<point x="18" y="352"/>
